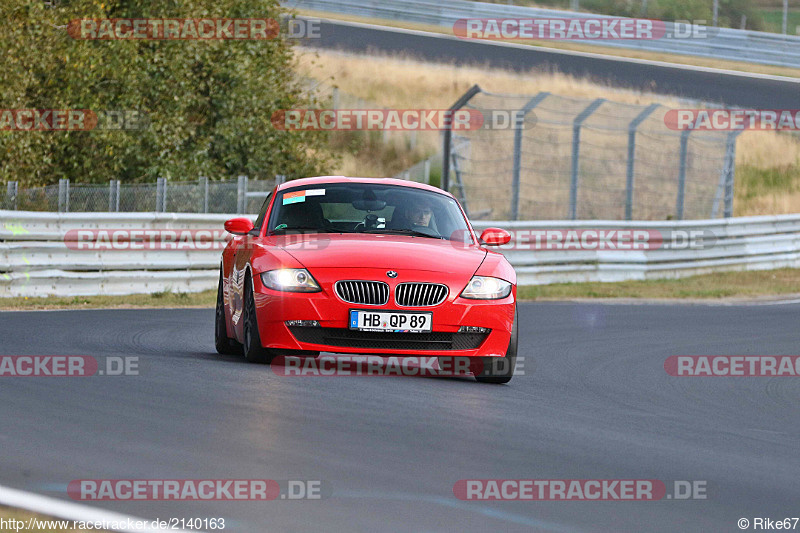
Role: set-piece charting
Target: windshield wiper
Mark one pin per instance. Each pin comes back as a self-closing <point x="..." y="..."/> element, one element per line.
<point x="406" y="231"/>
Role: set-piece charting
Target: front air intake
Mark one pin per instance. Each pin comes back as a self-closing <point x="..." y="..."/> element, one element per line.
<point x="420" y="294"/>
<point x="363" y="292"/>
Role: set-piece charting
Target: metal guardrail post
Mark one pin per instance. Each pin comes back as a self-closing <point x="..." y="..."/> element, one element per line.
<point x="632" y="157"/>
<point x="730" y="165"/>
<point x="161" y="195"/>
<point x="12" y="189"/>
<point x="203" y="184"/>
<point x="241" y="195"/>
<point x="518" y="129"/>
<point x="576" y="153"/>
<point x="63" y="195"/>
<point x="448" y="135"/>
<point x="682" y="174"/>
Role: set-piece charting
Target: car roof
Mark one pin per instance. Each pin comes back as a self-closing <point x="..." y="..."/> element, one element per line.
<point x="320" y="180"/>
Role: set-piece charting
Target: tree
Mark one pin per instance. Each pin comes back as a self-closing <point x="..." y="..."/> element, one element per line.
<point x="208" y="102"/>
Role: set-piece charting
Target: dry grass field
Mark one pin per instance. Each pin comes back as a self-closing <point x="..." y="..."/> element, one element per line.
<point x="768" y="163"/>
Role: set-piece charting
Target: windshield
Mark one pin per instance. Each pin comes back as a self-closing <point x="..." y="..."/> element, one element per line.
<point x="368" y="208"/>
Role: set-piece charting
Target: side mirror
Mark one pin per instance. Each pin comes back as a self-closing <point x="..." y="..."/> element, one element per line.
<point x="239" y="226"/>
<point x="495" y="236"/>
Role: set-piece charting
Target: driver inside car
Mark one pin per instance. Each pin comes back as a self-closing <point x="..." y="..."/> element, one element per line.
<point x="420" y="214"/>
<point x="416" y="214"/>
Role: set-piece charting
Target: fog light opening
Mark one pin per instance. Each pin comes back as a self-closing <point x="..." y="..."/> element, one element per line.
<point x="473" y="329"/>
<point x="303" y="323"/>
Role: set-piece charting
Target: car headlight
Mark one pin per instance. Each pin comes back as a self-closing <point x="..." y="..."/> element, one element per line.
<point x="486" y="288"/>
<point x="290" y="280"/>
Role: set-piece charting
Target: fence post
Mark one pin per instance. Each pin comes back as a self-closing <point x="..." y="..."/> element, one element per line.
<point x="11" y="194"/>
<point x="241" y="195"/>
<point x="576" y="153"/>
<point x="113" y="193"/>
<point x="335" y="97"/>
<point x="279" y="179"/>
<point x="730" y="164"/>
<point x="116" y="203"/>
<point x="63" y="195"/>
<point x="448" y="135"/>
<point x="632" y="157"/>
<point x="427" y="172"/>
<point x="682" y="174"/>
<point x="460" y="184"/>
<point x="161" y="195"/>
<point x="519" y="122"/>
<point x="203" y="184"/>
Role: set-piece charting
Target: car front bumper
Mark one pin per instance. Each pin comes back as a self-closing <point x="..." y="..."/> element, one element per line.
<point x="275" y="308"/>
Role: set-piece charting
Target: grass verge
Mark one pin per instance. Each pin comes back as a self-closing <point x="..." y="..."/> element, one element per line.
<point x="749" y="284"/>
<point x="131" y="301"/>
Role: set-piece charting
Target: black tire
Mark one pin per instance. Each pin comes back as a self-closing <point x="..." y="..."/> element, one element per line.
<point x="501" y="369"/>
<point x="224" y="344"/>
<point x="253" y="350"/>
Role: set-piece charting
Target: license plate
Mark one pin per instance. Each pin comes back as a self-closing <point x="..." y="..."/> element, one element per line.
<point x="398" y="322"/>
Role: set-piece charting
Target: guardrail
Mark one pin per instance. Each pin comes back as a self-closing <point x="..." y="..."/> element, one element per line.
<point x="35" y="259"/>
<point x="720" y="43"/>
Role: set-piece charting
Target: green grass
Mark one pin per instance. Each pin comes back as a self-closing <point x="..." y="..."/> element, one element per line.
<point x="748" y="284"/>
<point x="165" y="298"/>
<point x="754" y="181"/>
<point x="773" y="20"/>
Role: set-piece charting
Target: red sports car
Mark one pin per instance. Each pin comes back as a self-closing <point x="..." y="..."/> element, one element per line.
<point x="367" y="266"/>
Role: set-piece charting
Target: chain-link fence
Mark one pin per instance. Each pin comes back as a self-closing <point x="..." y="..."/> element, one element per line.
<point x="200" y="196"/>
<point x="573" y="158"/>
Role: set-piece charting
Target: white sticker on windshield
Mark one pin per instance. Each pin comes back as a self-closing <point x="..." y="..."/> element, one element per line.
<point x="315" y="192"/>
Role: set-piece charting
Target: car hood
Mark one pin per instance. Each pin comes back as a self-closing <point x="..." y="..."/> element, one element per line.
<point x="392" y="252"/>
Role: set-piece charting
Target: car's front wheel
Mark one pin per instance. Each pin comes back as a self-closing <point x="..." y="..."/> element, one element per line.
<point x="224" y="344"/>
<point x="500" y="369"/>
<point x="254" y="352"/>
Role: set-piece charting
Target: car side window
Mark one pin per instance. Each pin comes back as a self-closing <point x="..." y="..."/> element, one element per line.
<point x="263" y="213"/>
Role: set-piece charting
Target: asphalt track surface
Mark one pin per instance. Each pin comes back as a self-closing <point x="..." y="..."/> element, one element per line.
<point x="707" y="85"/>
<point x="595" y="403"/>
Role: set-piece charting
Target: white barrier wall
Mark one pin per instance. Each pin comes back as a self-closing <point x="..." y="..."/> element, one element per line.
<point x="37" y="259"/>
<point x="39" y="253"/>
